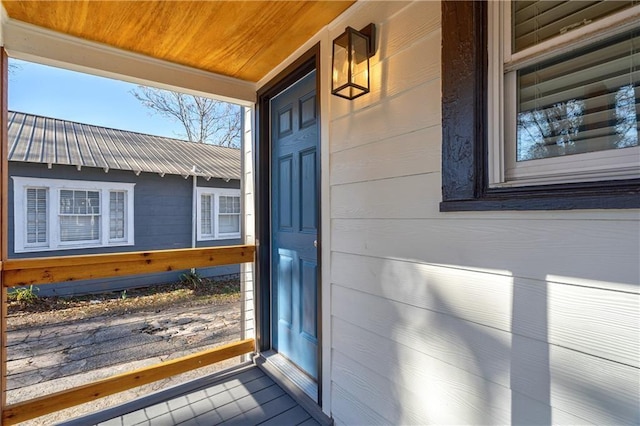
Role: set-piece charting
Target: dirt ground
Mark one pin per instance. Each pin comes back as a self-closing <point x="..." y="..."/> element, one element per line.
<point x="58" y="343"/>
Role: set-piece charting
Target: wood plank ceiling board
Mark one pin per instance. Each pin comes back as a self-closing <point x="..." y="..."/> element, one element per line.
<point x="241" y="39"/>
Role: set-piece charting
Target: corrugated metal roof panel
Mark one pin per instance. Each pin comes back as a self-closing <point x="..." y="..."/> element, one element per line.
<point x="46" y="140"/>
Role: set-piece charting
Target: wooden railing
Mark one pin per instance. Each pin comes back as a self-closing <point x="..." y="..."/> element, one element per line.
<point x="24" y="272"/>
<point x="44" y="270"/>
<point x="19" y="412"/>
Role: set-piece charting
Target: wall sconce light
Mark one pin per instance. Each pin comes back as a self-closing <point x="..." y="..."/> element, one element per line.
<point x="351" y="53"/>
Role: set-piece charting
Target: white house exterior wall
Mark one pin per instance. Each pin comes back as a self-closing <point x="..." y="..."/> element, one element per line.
<point x="248" y="226"/>
<point x="463" y="318"/>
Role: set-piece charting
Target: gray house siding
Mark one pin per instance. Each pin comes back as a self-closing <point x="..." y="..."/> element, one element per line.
<point x="162" y="220"/>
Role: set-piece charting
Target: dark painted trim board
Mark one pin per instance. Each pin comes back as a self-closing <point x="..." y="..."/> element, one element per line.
<point x="309" y="61"/>
<point x="464" y="133"/>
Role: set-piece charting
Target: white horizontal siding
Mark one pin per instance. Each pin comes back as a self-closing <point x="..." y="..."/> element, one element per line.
<point x="403" y="155"/>
<point x="468" y="317"/>
<point x="575" y="316"/>
<point x="560" y="250"/>
<point x="389" y="118"/>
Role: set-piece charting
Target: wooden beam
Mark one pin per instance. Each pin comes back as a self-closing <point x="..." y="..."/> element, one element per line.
<point x="4" y="222"/>
<point x="37" y="407"/>
<point x="46" y="270"/>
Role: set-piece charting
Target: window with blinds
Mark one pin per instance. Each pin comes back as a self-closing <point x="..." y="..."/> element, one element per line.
<point x="536" y="21"/>
<point x="219" y="213"/>
<point x="58" y="214"/>
<point x="229" y="215"/>
<point x="583" y="102"/>
<point x="79" y="215"/>
<point x="36" y="217"/>
<point x="567" y="98"/>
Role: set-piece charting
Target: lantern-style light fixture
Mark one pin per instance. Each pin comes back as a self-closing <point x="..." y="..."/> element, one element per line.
<point x="351" y="53"/>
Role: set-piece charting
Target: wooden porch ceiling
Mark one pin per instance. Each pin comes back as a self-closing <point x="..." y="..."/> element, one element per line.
<point x="241" y="39"/>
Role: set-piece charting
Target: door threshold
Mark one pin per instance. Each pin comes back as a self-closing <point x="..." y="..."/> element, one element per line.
<point x="271" y="363"/>
<point x="273" y="360"/>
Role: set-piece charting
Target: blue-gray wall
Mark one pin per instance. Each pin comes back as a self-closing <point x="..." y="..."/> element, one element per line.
<point x="162" y="220"/>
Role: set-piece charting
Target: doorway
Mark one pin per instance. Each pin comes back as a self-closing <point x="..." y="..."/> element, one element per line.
<point x="288" y="199"/>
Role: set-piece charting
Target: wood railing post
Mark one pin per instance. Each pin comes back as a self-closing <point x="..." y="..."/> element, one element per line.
<point x="4" y="225"/>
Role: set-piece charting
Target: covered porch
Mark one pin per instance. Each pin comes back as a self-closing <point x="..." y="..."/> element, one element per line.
<point x="440" y="299"/>
<point x="257" y="391"/>
<point x="242" y="395"/>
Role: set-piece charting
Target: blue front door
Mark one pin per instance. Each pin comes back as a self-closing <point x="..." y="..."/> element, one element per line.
<point x="294" y="207"/>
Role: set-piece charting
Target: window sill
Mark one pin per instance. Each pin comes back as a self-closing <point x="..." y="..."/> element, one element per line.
<point x="71" y="247"/>
<point x="221" y="237"/>
<point x="595" y="195"/>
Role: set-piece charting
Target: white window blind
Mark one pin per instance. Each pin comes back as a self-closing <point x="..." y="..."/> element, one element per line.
<point x="536" y="21"/>
<point x="36" y="216"/>
<point x="229" y="214"/>
<point x="586" y="101"/>
<point x="79" y="215"/>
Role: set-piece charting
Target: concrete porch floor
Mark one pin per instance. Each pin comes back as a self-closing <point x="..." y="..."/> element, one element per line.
<point x="244" y="395"/>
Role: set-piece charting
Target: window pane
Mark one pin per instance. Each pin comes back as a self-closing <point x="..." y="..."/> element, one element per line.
<point x="79" y="228"/>
<point x="229" y="204"/>
<point x="79" y="202"/>
<point x="79" y="215"/>
<point x="36" y="215"/>
<point x="116" y="215"/>
<point x="536" y="21"/>
<point x="206" y="222"/>
<point x="66" y="202"/>
<point x="229" y="224"/>
<point x="583" y="102"/>
<point x="229" y="214"/>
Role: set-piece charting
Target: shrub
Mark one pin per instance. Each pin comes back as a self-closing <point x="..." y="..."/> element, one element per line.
<point x="192" y="280"/>
<point x="26" y="295"/>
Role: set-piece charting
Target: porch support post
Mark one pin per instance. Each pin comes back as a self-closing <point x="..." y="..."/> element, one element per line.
<point x="4" y="225"/>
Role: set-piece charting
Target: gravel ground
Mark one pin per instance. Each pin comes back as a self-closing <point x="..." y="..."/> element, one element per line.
<point x="56" y="343"/>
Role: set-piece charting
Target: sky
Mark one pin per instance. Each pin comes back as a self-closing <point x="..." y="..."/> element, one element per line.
<point x="69" y="95"/>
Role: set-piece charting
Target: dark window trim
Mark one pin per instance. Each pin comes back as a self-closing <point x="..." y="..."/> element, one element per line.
<point x="307" y="62"/>
<point x="464" y="132"/>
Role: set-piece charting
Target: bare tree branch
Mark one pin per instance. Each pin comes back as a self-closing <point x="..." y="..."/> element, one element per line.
<point x="204" y="120"/>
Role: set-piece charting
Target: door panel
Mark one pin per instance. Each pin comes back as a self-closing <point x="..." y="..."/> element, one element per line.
<point x="285" y="203"/>
<point x="308" y="208"/>
<point x="294" y="213"/>
<point x="309" y="313"/>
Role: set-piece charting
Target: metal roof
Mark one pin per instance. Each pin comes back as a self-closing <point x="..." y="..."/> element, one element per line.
<point x="36" y="139"/>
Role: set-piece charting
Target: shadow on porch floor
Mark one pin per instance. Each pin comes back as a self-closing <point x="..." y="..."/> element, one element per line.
<point x="244" y="395"/>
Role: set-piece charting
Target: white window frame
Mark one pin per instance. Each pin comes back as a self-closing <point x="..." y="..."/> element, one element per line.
<point x="504" y="171"/>
<point x="215" y="193"/>
<point x="35" y="245"/>
<point x="54" y="186"/>
<point x="61" y="215"/>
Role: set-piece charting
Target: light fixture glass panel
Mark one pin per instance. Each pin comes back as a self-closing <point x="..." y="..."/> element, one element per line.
<point x="341" y="61"/>
<point x="360" y="61"/>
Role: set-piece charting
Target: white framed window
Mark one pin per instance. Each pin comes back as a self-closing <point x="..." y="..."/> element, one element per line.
<point x="564" y="85"/>
<point x="36" y="217"/>
<point x="218" y="213"/>
<point x="57" y="214"/>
